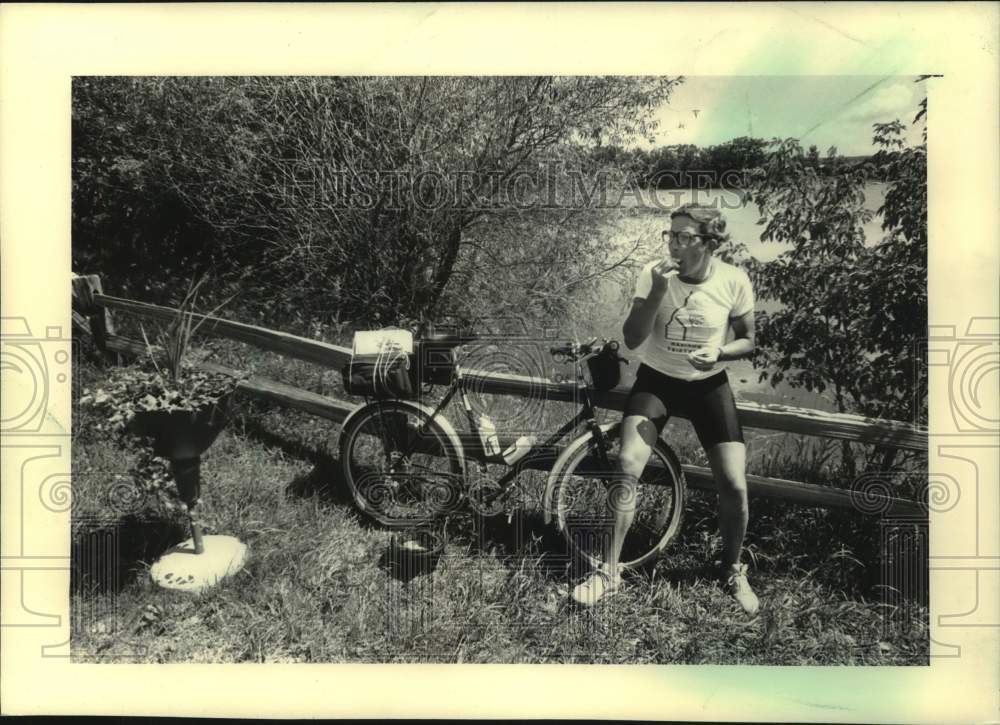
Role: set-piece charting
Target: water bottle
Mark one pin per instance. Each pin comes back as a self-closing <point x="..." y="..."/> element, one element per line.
<point x="518" y="449"/>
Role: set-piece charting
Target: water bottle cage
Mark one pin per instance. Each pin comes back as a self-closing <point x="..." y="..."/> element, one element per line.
<point x="491" y="448"/>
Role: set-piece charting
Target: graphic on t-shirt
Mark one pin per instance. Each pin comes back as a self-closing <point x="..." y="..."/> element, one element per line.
<point x="673" y="318"/>
<point x="684" y="318"/>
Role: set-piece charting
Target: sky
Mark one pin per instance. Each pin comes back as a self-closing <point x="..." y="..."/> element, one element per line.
<point x="822" y="110"/>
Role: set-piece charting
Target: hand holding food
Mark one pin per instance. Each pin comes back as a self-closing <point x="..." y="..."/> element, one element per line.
<point x="704" y="358"/>
<point x="660" y="272"/>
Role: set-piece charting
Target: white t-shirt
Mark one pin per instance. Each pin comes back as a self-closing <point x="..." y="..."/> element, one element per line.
<point x="693" y="316"/>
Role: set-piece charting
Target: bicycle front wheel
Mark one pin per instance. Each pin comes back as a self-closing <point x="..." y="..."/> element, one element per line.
<point x="586" y="486"/>
<point x="402" y="467"/>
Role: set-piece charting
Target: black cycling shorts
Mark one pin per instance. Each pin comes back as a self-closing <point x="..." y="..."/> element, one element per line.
<point x="707" y="403"/>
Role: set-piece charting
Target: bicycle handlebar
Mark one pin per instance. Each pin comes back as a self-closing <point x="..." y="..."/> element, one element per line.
<point x="577" y="351"/>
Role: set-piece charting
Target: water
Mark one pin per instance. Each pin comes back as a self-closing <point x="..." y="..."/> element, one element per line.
<point x="602" y="315"/>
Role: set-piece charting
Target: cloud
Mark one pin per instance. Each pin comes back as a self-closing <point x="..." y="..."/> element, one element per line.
<point x="884" y="104"/>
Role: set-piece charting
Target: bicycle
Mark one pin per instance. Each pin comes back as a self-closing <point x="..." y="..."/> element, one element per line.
<point x="406" y="465"/>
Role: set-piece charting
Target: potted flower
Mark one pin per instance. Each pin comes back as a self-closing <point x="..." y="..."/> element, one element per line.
<point x="173" y="411"/>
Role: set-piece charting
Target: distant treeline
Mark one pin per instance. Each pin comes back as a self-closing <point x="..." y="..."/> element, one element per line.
<point x="686" y="166"/>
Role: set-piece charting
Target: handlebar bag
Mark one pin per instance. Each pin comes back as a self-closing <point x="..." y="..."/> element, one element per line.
<point x="605" y="369"/>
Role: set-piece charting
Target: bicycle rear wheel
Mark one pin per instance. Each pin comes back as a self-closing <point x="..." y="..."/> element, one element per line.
<point x="582" y="487"/>
<point x="402" y="467"/>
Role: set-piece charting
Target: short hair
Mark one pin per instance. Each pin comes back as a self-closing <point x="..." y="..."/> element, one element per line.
<point x="711" y="222"/>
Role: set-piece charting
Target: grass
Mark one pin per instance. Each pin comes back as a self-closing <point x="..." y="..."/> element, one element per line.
<point x="315" y="588"/>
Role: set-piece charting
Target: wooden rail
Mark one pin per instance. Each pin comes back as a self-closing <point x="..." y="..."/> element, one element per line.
<point x="752" y="415"/>
<point x="334" y="410"/>
<point x="782" y="418"/>
<point x="301" y="348"/>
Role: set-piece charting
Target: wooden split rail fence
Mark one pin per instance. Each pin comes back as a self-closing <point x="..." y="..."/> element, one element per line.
<point x="91" y="316"/>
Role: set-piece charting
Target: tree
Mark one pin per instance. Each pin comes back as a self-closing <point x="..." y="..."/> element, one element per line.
<point x="730" y="160"/>
<point x="813" y="156"/>
<point x="128" y="222"/>
<point x="354" y="196"/>
<point x="852" y="314"/>
<point x="897" y="277"/>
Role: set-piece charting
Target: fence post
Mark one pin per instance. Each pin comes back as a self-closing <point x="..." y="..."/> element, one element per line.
<point x="101" y="324"/>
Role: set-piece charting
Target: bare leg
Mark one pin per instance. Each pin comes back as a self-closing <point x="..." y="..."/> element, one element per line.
<point x="638" y="438"/>
<point x="639" y="434"/>
<point x="728" y="462"/>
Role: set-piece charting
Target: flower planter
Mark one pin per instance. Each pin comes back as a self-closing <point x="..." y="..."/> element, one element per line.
<point x="154" y="403"/>
<point x="181" y="436"/>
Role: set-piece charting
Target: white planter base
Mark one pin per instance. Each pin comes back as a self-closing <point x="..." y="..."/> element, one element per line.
<point x="180" y="568"/>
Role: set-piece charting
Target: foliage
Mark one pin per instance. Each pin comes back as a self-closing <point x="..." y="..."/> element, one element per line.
<point x="151" y="476"/>
<point x="897" y="277"/>
<point x="175" y="341"/>
<point x="177" y="385"/>
<point x="134" y="389"/>
<point x="352" y="198"/>
<point x="807" y="341"/>
<point x="174" y="386"/>
<point x="853" y="314"/>
<point x="687" y="166"/>
<point x="128" y="222"/>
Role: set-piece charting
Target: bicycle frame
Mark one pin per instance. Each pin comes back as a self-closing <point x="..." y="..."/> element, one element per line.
<point x="545" y="450"/>
<point x="570" y="466"/>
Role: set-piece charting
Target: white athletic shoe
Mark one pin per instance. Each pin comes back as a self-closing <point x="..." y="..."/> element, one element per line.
<point x="598" y="585"/>
<point x="739" y="588"/>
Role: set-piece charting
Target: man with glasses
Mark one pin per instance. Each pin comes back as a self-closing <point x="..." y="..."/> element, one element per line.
<point x="685" y="304"/>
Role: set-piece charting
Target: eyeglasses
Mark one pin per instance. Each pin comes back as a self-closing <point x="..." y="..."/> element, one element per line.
<point x="681" y="239"/>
